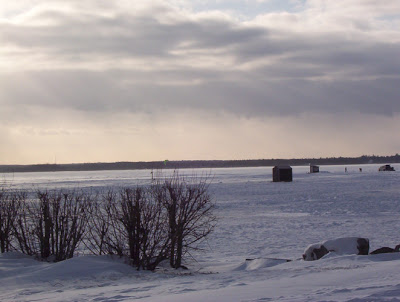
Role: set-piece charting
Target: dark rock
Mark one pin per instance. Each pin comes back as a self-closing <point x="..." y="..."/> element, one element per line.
<point x="383" y="250"/>
<point x="316" y="253"/>
<point x="363" y="246"/>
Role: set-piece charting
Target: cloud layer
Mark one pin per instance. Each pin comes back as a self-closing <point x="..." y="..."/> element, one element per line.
<point x="165" y="59"/>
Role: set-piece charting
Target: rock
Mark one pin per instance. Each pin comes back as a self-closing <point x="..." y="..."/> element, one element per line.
<point x="341" y="246"/>
<point x="385" y="250"/>
<point x="315" y="252"/>
<point x="363" y="246"/>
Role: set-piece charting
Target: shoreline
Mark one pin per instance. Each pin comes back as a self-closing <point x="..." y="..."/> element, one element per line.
<point x="184" y="164"/>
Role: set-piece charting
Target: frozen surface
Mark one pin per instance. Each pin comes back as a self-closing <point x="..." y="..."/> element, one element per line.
<point x="258" y="219"/>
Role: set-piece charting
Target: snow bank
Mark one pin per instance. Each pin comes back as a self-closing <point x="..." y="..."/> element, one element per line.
<point x="29" y="271"/>
<point x="255" y="264"/>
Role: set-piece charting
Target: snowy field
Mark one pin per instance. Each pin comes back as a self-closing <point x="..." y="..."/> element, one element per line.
<point x="259" y="220"/>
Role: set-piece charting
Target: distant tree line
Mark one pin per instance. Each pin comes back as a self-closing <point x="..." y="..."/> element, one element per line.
<point x="156" y="165"/>
<point x="147" y="225"/>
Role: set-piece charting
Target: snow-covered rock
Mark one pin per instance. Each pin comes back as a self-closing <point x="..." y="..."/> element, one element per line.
<point x="341" y="246"/>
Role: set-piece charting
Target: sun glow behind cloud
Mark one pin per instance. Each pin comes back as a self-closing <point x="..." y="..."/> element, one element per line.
<point x="109" y="81"/>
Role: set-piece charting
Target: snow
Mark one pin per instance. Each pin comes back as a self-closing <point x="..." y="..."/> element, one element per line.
<point x="259" y="220"/>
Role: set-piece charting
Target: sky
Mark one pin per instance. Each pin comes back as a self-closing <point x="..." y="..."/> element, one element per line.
<point x="105" y="81"/>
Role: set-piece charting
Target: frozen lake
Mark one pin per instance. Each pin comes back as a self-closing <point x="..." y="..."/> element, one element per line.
<point x="261" y="218"/>
<point x="258" y="219"/>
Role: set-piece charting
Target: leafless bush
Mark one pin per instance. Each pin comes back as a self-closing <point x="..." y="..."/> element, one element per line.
<point x="130" y="223"/>
<point x="152" y="224"/>
<point x="189" y="209"/>
<point x="155" y="242"/>
<point x="8" y="215"/>
<point x="146" y="224"/>
<point x="52" y="226"/>
<point x="103" y="236"/>
<point x="23" y="229"/>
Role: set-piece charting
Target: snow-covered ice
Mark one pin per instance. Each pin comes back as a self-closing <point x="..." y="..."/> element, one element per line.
<point x="259" y="220"/>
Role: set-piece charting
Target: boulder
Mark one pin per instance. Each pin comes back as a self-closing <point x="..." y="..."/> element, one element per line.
<point x="341" y="246"/>
<point x="315" y="252"/>
<point x="385" y="250"/>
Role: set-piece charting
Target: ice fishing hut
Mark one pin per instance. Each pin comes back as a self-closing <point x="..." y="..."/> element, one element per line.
<point x="282" y="173"/>
<point x="314" y="169"/>
<point x="386" y="168"/>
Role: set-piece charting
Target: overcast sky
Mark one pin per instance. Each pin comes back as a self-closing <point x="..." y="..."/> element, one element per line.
<point x="104" y="81"/>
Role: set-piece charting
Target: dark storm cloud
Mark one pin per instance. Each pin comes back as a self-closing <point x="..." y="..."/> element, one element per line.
<point x="199" y="63"/>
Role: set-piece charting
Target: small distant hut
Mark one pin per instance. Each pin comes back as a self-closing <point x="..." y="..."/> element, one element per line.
<point x="314" y="169"/>
<point x="386" y="168"/>
<point x="282" y="173"/>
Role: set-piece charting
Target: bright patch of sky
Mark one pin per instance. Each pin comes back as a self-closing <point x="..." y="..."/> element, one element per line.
<point x="246" y="9"/>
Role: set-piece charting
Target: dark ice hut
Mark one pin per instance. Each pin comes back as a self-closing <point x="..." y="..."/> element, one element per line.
<point x="282" y="173"/>
<point x="314" y="169"/>
<point x="386" y="168"/>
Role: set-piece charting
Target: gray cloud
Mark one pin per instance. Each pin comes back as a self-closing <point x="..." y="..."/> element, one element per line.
<point x="124" y="34"/>
<point x="102" y="91"/>
<point x="205" y="63"/>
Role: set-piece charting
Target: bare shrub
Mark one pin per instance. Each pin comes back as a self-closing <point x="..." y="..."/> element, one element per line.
<point x="9" y="209"/>
<point x="155" y="242"/>
<point x="163" y="221"/>
<point x="130" y="223"/>
<point x="52" y="226"/>
<point x="189" y="210"/>
<point x="23" y="227"/>
<point x="103" y="236"/>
